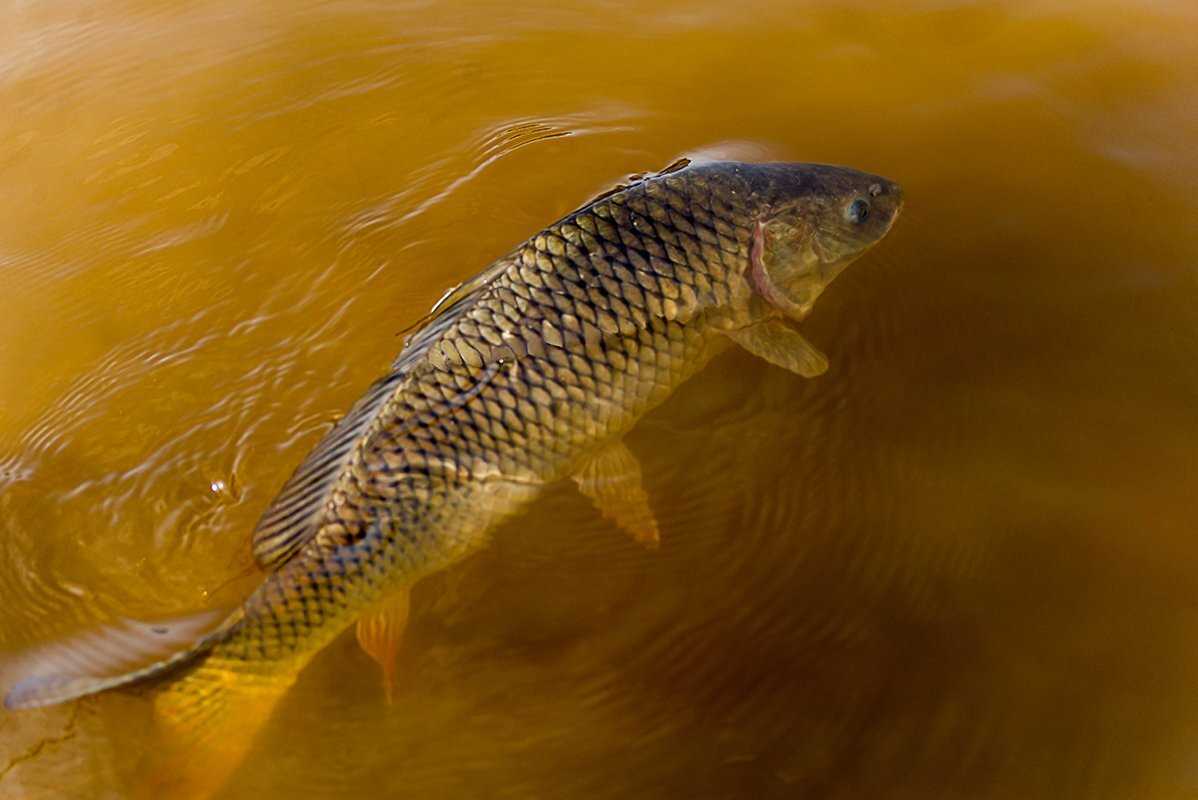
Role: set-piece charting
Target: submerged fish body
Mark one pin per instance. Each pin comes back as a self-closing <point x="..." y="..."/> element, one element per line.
<point x="528" y="374"/>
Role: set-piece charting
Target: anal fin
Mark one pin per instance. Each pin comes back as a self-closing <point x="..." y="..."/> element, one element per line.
<point x="612" y="480"/>
<point x="380" y="633"/>
<point x="781" y="345"/>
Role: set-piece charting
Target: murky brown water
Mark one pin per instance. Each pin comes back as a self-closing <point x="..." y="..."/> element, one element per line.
<point x="961" y="564"/>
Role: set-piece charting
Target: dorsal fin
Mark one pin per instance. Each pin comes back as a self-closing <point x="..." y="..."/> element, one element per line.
<point x="681" y="163"/>
<point x="633" y="180"/>
<point x="293" y="518"/>
<point x="422" y="329"/>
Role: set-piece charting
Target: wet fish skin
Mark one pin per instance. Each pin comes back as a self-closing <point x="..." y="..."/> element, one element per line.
<point x="528" y="373"/>
<point x="582" y="329"/>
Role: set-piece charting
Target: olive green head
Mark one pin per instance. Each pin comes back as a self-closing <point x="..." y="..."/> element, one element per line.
<point x="811" y="221"/>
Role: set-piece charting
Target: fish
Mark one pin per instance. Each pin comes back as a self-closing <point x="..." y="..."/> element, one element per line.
<point x="528" y="374"/>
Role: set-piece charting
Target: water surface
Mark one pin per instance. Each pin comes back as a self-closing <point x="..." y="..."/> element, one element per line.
<point x="960" y="564"/>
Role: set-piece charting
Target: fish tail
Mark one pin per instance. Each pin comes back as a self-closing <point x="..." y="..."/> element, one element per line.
<point x="208" y="708"/>
<point x="206" y="722"/>
<point x="125" y="652"/>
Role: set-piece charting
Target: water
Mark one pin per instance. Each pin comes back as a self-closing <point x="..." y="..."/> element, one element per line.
<point x="958" y="565"/>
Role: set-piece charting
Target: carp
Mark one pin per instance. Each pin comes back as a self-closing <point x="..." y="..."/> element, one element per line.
<point x="530" y="373"/>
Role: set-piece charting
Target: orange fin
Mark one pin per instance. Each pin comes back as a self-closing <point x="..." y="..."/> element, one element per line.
<point x="612" y="479"/>
<point x="782" y="346"/>
<point x="380" y="633"/>
<point x="106" y="657"/>
<point x="207" y="720"/>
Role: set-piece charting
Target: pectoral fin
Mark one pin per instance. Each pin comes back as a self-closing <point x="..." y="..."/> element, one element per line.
<point x="782" y="346"/>
<point x="612" y="479"/>
<point x="380" y="633"/>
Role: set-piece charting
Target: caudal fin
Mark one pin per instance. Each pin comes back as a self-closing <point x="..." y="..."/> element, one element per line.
<point x="207" y="719"/>
<point x="208" y="710"/>
<point x="107" y="657"/>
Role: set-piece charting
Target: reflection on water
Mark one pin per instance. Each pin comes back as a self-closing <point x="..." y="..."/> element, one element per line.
<point x="958" y="565"/>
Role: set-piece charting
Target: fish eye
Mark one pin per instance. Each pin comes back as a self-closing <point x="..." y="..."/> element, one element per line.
<point x="857" y="211"/>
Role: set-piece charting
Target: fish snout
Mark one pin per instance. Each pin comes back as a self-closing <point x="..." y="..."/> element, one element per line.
<point x="886" y="200"/>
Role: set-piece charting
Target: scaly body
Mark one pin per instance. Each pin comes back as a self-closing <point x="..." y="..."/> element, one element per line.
<point x="575" y="336"/>
<point x="530" y="374"/>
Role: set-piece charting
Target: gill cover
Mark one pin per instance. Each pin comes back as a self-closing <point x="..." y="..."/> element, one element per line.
<point x="785" y="265"/>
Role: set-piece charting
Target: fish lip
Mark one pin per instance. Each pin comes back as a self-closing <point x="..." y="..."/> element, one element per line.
<point x="894" y="215"/>
<point x="899" y="199"/>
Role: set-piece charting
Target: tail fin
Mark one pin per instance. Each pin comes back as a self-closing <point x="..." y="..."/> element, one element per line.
<point x="208" y="710"/>
<point x="207" y="719"/>
<point x="111" y="656"/>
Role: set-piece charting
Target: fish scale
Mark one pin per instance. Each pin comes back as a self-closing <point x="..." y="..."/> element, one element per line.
<point x="529" y="373"/>
<point x="586" y="326"/>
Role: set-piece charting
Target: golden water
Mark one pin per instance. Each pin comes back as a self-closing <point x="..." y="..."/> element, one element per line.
<point x="961" y="564"/>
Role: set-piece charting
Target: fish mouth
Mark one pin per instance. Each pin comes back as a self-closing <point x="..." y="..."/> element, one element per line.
<point x="896" y="201"/>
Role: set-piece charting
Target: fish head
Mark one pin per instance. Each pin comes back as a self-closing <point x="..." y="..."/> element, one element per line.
<point x="812" y="221"/>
